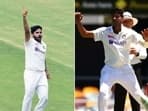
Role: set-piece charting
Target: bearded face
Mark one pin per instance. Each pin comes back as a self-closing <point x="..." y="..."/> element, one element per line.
<point x="37" y="35"/>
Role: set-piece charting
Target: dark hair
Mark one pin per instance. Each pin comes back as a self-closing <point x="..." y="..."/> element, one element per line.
<point x="118" y="11"/>
<point x="35" y="27"/>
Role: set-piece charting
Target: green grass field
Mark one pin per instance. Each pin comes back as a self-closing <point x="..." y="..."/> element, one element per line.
<point x="56" y="17"/>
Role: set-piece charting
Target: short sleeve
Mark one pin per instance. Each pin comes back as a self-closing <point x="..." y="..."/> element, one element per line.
<point x="98" y="34"/>
<point x="29" y="42"/>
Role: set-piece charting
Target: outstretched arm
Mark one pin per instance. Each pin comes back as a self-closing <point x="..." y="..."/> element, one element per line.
<point x="26" y="26"/>
<point x="84" y="33"/>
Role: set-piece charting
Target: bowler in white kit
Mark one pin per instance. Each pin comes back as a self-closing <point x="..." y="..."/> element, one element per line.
<point x="35" y="73"/>
<point x="116" y="40"/>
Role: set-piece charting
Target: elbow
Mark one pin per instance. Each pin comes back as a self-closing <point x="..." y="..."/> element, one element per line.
<point x="83" y="35"/>
<point x="86" y="35"/>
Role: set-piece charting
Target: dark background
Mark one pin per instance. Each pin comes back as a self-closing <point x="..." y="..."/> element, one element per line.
<point x="89" y="57"/>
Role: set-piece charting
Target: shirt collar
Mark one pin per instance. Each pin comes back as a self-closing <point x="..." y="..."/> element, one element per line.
<point x="122" y="28"/>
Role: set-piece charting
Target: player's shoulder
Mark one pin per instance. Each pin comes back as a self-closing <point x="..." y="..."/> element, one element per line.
<point x="109" y="29"/>
<point x="125" y="29"/>
<point x="44" y="44"/>
<point x="130" y="31"/>
<point x="135" y="33"/>
<point x="30" y="41"/>
<point x="100" y="29"/>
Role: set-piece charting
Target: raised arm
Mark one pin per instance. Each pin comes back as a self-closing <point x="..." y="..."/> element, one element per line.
<point x="84" y="33"/>
<point x="26" y="26"/>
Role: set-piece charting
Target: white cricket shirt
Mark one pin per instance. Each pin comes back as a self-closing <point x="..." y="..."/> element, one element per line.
<point x="116" y="46"/>
<point x="35" y="55"/>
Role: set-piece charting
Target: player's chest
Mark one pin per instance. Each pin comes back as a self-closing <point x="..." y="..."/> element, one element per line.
<point x="39" y="48"/>
<point x="119" y="40"/>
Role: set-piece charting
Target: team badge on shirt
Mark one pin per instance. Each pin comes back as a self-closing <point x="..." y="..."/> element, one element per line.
<point x="113" y="40"/>
<point x="124" y="36"/>
<point x="39" y="50"/>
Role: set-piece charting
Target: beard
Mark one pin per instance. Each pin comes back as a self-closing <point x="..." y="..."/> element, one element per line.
<point x="38" y="39"/>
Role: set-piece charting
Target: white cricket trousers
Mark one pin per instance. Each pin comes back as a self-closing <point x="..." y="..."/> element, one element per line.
<point x="124" y="76"/>
<point x="35" y="82"/>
